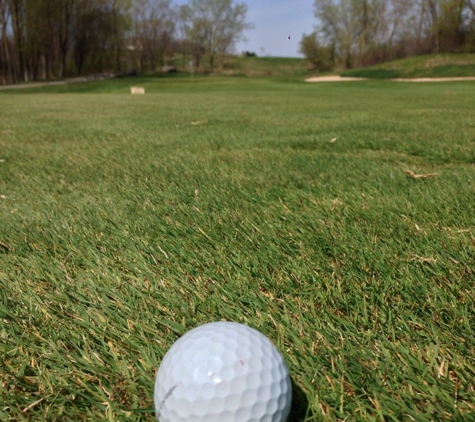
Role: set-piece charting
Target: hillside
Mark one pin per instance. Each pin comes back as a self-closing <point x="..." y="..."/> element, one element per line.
<point x="253" y="66"/>
<point x="429" y="66"/>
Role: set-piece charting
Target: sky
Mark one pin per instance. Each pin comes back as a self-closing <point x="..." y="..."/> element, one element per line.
<point x="273" y="21"/>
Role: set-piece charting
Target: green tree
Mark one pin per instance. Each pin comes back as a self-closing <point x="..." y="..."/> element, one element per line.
<point x="319" y="56"/>
<point x="450" y="27"/>
<point x="99" y="32"/>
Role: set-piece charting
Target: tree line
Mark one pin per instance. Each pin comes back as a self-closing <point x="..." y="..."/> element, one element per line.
<point x="354" y="33"/>
<point x="48" y="39"/>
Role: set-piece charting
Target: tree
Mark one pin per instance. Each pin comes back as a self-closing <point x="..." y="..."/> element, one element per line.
<point x="368" y="31"/>
<point x="374" y="18"/>
<point x="451" y="28"/>
<point x="319" y="56"/>
<point x="194" y="31"/>
<point x="98" y="35"/>
<point x="6" y="62"/>
<point x="212" y="28"/>
<point x="469" y="25"/>
<point x="339" y="26"/>
<point x="18" y="24"/>
<point x="154" y="27"/>
<point x="120" y="24"/>
<point x="357" y="28"/>
<point x="442" y="25"/>
<point x="63" y="32"/>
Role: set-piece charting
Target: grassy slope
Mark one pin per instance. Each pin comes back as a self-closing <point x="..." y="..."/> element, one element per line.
<point x="255" y="66"/>
<point x="431" y="66"/>
<point x="127" y="220"/>
<point x="266" y="66"/>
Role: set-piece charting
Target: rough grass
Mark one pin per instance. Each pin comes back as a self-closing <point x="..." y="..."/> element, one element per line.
<point x="127" y="220"/>
<point x="439" y="65"/>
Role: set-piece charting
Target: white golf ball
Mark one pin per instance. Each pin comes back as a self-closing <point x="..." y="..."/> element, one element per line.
<point x="223" y="372"/>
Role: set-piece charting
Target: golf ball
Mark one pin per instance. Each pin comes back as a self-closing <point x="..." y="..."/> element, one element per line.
<point x="223" y="372"/>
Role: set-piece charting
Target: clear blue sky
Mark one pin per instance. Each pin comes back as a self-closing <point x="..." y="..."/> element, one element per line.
<point x="274" y="21"/>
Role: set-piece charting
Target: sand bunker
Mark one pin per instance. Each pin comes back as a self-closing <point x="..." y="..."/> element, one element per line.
<point x="337" y="78"/>
<point x="333" y="78"/>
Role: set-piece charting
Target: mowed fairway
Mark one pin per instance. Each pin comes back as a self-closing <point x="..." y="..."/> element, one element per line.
<point x="128" y="220"/>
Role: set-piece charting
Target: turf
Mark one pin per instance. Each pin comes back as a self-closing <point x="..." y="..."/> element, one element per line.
<point x="128" y="220"/>
<point x="428" y="66"/>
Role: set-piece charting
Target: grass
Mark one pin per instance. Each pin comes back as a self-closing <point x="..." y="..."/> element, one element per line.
<point x="127" y="220"/>
<point x="253" y="66"/>
<point x="267" y="66"/>
<point x="430" y="66"/>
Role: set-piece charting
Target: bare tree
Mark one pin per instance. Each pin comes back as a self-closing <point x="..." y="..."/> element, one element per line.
<point x="432" y="7"/>
<point x="366" y="31"/>
<point x="8" y="74"/>
<point x="65" y="10"/>
<point x="213" y="27"/>
<point x="17" y="9"/>
<point x="154" y="26"/>
<point x="120" y="24"/>
<point x="195" y="34"/>
<point x="339" y="26"/>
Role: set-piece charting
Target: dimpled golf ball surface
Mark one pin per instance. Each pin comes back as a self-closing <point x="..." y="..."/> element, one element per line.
<point x="223" y="372"/>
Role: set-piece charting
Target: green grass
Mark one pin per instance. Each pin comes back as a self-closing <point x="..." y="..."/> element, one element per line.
<point x="430" y="66"/>
<point x="266" y="66"/>
<point x="127" y="220"/>
<point x="255" y="66"/>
